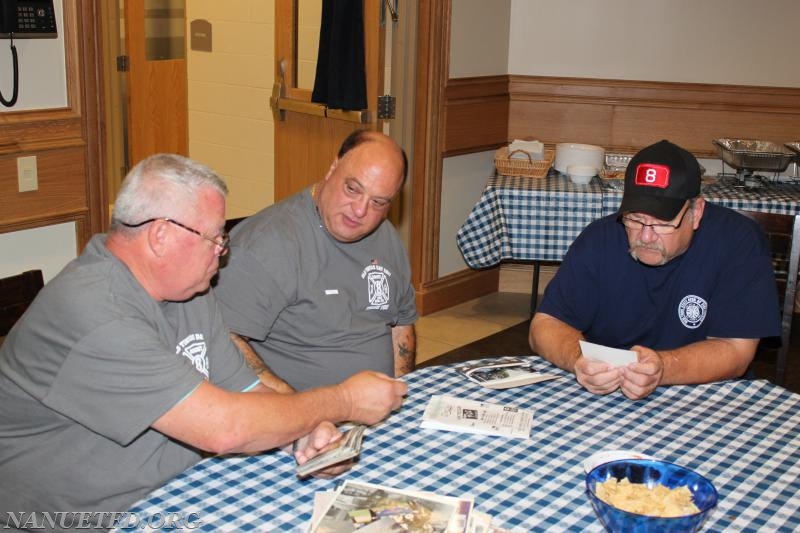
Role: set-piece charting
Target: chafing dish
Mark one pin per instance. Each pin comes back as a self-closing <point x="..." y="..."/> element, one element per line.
<point x="617" y="161"/>
<point x="615" y="165"/>
<point x="794" y="147"/>
<point x="754" y="155"/>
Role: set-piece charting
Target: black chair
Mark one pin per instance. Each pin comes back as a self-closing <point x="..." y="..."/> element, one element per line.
<point x="783" y="234"/>
<point x="231" y="223"/>
<point x="16" y="294"/>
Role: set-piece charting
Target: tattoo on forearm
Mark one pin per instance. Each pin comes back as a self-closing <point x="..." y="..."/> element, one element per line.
<point x="406" y="358"/>
<point x="404" y="352"/>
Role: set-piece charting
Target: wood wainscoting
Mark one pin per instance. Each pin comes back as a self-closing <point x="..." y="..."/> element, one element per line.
<point x="625" y="116"/>
<point x="484" y="113"/>
<point x="455" y="288"/>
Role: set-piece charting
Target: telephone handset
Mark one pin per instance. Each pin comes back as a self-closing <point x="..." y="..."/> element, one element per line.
<point x="25" y="19"/>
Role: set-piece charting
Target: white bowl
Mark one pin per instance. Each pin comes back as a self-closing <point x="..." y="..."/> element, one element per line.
<point x="578" y="154"/>
<point x="581" y="174"/>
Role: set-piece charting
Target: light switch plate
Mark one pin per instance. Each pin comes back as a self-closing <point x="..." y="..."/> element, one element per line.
<point x="27" y="174"/>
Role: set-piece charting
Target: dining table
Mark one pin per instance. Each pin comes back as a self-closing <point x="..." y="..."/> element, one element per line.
<point x="535" y="220"/>
<point x="742" y="435"/>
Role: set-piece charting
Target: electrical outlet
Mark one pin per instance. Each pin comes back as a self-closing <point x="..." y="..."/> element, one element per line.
<point x="27" y="174"/>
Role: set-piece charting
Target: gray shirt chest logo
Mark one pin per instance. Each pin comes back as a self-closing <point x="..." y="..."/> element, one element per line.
<point x="378" y="291"/>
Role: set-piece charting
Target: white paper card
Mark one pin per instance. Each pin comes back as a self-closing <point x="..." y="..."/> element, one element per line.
<point x="612" y="356"/>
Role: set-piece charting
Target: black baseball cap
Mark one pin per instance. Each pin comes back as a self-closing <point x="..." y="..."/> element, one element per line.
<point x="659" y="179"/>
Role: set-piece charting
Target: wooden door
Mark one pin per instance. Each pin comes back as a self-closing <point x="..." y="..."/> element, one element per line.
<point x="157" y="78"/>
<point x="307" y="136"/>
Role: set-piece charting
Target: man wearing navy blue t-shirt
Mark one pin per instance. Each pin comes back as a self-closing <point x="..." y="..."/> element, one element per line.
<point x="686" y="284"/>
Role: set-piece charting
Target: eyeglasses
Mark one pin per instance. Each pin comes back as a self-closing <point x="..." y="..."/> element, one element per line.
<point x="660" y="229"/>
<point x="223" y="240"/>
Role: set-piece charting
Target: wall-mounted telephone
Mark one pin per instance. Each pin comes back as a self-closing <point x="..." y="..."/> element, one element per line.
<point x="25" y="19"/>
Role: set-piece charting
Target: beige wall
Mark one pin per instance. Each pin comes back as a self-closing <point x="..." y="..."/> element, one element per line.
<point x="458" y="197"/>
<point x="479" y="37"/>
<point x="48" y="249"/>
<point x="230" y="122"/>
<point x="739" y="42"/>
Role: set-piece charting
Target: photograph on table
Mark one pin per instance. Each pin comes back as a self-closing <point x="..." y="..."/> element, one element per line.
<point x="373" y="508"/>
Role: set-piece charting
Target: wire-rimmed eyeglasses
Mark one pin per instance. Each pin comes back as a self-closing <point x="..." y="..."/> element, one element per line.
<point x="223" y="240"/>
<point x="659" y="228"/>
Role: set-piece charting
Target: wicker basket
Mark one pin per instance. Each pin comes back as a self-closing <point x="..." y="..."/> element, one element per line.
<point x="527" y="166"/>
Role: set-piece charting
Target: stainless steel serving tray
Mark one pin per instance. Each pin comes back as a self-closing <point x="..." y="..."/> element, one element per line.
<point x="754" y="155"/>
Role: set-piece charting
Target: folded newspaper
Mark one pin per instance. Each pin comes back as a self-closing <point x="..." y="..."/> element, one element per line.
<point x="470" y="416"/>
<point x="503" y="374"/>
<point x="347" y="447"/>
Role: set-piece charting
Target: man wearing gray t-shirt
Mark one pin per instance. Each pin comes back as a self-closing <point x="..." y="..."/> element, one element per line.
<point x="122" y="371"/>
<point x="319" y="285"/>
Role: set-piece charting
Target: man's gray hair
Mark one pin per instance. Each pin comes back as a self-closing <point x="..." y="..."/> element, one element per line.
<point x="158" y="185"/>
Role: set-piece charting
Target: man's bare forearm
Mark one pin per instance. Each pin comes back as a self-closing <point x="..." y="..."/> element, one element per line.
<point x="555" y="341"/>
<point x="700" y="362"/>
<point x="265" y="375"/>
<point x="707" y="361"/>
<point x="404" y="341"/>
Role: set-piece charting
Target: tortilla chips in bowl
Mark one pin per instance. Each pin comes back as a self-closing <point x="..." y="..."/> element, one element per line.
<point x="642" y="495"/>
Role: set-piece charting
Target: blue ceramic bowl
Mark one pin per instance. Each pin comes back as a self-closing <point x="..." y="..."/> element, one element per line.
<point x="651" y="473"/>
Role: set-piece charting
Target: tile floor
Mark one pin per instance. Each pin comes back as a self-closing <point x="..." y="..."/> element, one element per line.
<point x="457" y="326"/>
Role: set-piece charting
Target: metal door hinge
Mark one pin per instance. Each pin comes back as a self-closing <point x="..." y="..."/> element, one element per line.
<point x="386" y="106"/>
<point x="122" y="63"/>
<point x="392" y="11"/>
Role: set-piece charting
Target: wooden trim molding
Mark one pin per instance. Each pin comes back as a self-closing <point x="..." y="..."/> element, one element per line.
<point x="456" y="288"/>
<point x="93" y="114"/>
<point x="433" y="31"/>
<point x="656" y="94"/>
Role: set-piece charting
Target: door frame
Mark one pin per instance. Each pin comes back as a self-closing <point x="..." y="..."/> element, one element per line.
<point x="433" y="73"/>
<point x="433" y="52"/>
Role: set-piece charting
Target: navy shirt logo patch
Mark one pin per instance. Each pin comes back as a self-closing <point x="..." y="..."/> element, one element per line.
<point x="692" y="311"/>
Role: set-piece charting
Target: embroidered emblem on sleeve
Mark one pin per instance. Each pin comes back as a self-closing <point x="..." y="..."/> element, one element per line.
<point x="692" y="311"/>
<point x="193" y="348"/>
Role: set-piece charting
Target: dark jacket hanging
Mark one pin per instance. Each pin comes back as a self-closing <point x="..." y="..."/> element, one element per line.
<point x="341" y="81"/>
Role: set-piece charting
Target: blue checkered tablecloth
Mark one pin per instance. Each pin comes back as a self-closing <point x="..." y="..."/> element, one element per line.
<point x="536" y="219"/>
<point x="742" y="435"/>
<point x="530" y="219"/>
